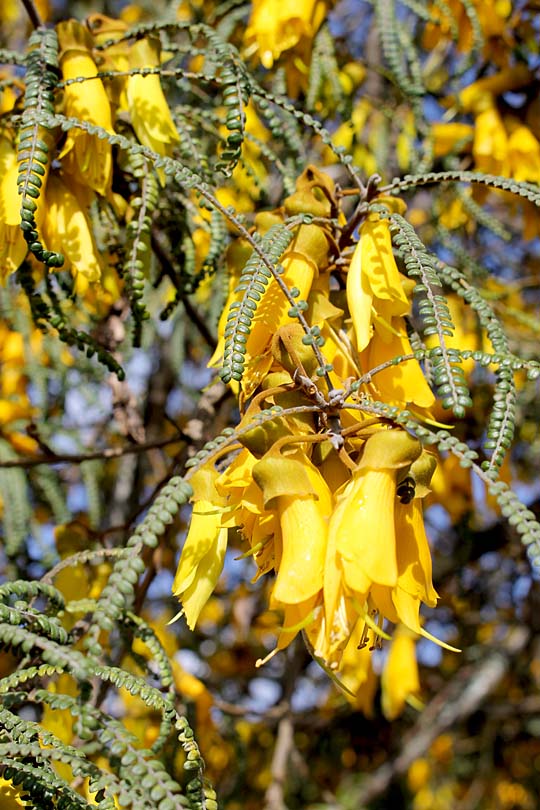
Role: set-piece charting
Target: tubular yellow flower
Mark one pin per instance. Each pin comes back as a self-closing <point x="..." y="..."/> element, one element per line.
<point x="523" y="152"/>
<point x="85" y="156"/>
<point x="298" y="493"/>
<point x="363" y="521"/>
<point x="446" y="137"/>
<point x="414" y="583"/>
<point x="306" y="255"/>
<point x="404" y="382"/>
<point x="203" y="554"/>
<point x="13" y="247"/>
<point x="115" y="57"/>
<point x="399" y="679"/>
<point x="304" y="529"/>
<point x="373" y="276"/>
<point x="277" y="27"/>
<point x="490" y="145"/>
<point x="150" y="114"/>
<point x="68" y="230"/>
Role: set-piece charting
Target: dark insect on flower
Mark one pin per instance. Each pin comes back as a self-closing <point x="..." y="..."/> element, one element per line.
<point x="406" y="490"/>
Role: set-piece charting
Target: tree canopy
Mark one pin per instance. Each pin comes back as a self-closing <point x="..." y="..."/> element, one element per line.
<point x="269" y="448"/>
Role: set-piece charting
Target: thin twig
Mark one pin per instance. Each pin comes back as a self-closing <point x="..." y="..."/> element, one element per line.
<point x="105" y="454"/>
<point x="33" y="13"/>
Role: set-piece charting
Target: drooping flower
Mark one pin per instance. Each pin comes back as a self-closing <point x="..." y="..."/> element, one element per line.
<point x="114" y="57"/>
<point x="11" y="795"/>
<point x="377" y="303"/>
<point x="335" y="517"/>
<point x="275" y="28"/>
<point x="373" y="280"/>
<point x="150" y="113"/>
<point x="399" y="681"/>
<point x="296" y="490"/>
<point x="363" y="521"/>
<point x="67" y="229"/>
<point x="13" y="247"/>
<point x="86" y="157"/>
<point x="304" y="259"/>
<point x="203" y="554"/>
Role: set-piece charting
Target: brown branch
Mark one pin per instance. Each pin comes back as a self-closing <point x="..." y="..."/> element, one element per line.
<point x="284" y="748"/>
<point x="105" y="454"/>
<point x="274" y="798"/>
<point x="33" y="13"/>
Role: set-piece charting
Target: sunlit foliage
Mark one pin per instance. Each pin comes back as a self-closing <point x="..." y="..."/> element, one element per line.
<point x="269" y="446"/>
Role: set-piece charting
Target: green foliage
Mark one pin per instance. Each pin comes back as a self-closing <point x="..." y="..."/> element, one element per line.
<point x="77" y="658"/>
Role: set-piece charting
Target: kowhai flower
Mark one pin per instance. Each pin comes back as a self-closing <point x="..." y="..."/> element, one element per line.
<point x="334" y="514"/>
<point x="86" y="157"/>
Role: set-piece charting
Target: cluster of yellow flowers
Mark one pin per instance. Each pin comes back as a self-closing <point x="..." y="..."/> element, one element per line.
<point x="327" y="498"/>
<point x="501" y="144"/>
<point x="83" y="166"/>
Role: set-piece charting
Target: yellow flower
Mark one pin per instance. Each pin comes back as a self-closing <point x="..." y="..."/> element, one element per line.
<point x="150" y="114"/>
<point x="363" y="521"/>
<point x="204" y="549"/>
<point x="403" y="383"/>
<point x="490" y="145"/>
<point x="414" y="584"/>
<point x="277" y="27"/>
<point x="10" y="796"/>
<point x="373" y="277"/>
<point x="377" y="302"/>
<point x="13" y="247"/>
<point x="342" y="531"/>
<point x="446" y="137"/>
<point x="523" y="152"/>
<point x="474" y="96"/>
<point x="67" y="229"/>
<point x="303" y="503"/>
<point x="304" y="258"/>
<point x="399" y="679"/>
<point x="86" y="157"/>
<point x="115" y="56"/>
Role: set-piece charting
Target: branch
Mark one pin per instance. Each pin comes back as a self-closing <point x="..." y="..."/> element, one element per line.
<point x="33" y="13"/>
<point x="274" y="798"/>
<point x="284" y="748"/>
<point x="106" y="454"/>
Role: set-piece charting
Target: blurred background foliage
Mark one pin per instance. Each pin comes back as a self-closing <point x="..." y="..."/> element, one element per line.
<point x="403" y="88"/>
